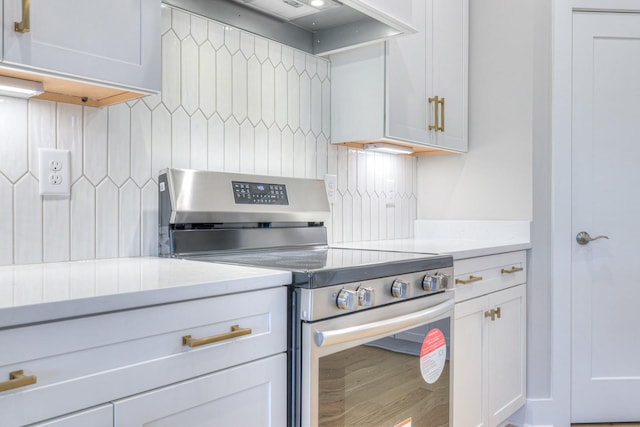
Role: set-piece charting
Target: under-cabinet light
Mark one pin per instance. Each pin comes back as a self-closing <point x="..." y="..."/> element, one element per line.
<point x="388" y="148"/>
<point x="19" y="88"/>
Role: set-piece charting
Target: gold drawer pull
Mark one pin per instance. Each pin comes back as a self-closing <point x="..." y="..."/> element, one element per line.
<point x="236" y="331"/>
<point x="471" y="279"/>
<point x="511" y="270"/>
<point x="493" y="313"/>
<point x="18" y="379"/>
<point x="24" y="26"/>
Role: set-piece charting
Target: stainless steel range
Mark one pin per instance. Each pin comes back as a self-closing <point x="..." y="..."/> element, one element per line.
<point x="369" y="331"/>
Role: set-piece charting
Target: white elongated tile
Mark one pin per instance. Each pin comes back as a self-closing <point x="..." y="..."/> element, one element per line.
<point x="322" y="157"/>
<point x="215" y="143"/>
<point x="382" y="218"/>
<point x="381" y="172"/>
<point x="275" y="150"/>
<point x="130" y="235"/>
<point x="95" y="143"/>
<point x="224" y="76"/>
<point x="247" y="147"/>
<point x="42" y="129"/>
<point x="311" y="65"/>
<point x="357" y="221"/>
<point x="150" y="219"/>
<point x="299" y="154"/>
<point x="216" y="34"/>
<point x="287" y="57"/>
<point x="322" y="67"/>
<point x="181" y="23"/>
<point x="305" y="103"/>
<point x="352" y="170"/>
<point x="55" y="233"/>
<point x="336" y="219"/>
<point x="83" y="220"/>
<point x="413" y="215"/>
<point x="198" y="29"/>
<point x="207" y="79"/>
<point x="361" y="161"/>
<point x="199" y="148"/>
<point x="311" y="156"/>
<point x="119" y="143"/>
<point x="6" y="225"/>
<point x="70" y="135"/>
<point x="107" y="208"/>
<point x="268" y="93"/>
<point x="366" y="217"/>
<point x="275" y="53"/>
<point x="231" y="146"/>
<point x="293" y="99"/>
<point x="287" y="152"/>
<point x="261" y="150"/>
<point x="326" y="108"/>
<point x="140" y="143"/>
<point x="160" y="140"/>
<point x="261" y="49"/>
<point x="299" y="61"/>
<point x="165" y="18"/>
<point x="189" y="75"/>
<point x="171" y="70"/>
<point x="27" y="232"/>
<point x="180" y="130"/>
<point x="391" y="222"/>
<point x="371" y="172"/>
<point x="13" y="134"/>
<point x="232" y="39"/>
<point x="254" y="90"/>
<point x="239" y="87"/>
<point x="347" y="217"/>
<point x="343" y="169"/>
<point x="405" y="217"/>
<point x="399" y="213"/>
<point x="281" y="96"/>
<point x="247" y="44"/>
<point x="375" y="217"/>
<point x="316" y="106"/>
<point x="152" y="101"/>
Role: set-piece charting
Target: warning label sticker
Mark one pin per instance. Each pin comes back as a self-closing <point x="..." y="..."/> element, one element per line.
<point x="433" y="355"/>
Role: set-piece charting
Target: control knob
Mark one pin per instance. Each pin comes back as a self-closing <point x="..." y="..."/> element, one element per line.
<point x="366" y="296"/>
<point x="346" y="299"/>
<point x="435" y="282"/>
<point x="399" y="288"/>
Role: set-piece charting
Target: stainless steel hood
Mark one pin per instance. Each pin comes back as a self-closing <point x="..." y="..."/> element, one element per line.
<point x="320" y="30"/>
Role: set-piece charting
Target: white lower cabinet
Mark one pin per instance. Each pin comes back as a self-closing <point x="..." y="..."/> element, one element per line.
<point x="101" y="416"/>
<point x="489" y="377"/>
<point x="254" y="394"/>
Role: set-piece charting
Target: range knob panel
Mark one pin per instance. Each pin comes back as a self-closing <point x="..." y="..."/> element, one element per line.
<point x="346" y="299"/>
<point x="435" y="282"/>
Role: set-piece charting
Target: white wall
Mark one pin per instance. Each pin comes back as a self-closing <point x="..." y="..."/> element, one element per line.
<point x="493" y="181"/>
<point x="231" y="101"/>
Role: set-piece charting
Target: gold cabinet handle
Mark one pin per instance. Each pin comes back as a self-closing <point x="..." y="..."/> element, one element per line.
<point x="471" y="279"/>
<point x="24" y="26"/>
<point x="437" y="102"/>
<point x="441" y="128"/>
<point x="236" y="331"/>
<point x="511" y="270"/>
<point x="498" y="312"/>
<point x="493" y="313"/>
<point x="18" y="379"/>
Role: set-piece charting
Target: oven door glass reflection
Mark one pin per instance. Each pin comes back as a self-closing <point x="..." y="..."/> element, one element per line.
<point x="401" y="380"/>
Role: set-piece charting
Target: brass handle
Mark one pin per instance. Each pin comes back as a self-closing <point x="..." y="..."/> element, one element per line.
<point x="471" y="279"/>
<point x="511" y="270"/>
<point x="441" y="128"/>
<point x="439" y="115"/>
<point x="437" y="101"/>
<point x="236" y="331"/>
<point x="18" y="379"/>
<point x="498" y="312"/>
<point x="493" y="313"/>
<point x="24" y="26"/>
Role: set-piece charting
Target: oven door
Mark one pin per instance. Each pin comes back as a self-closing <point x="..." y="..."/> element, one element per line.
<point x="387" y="367"/>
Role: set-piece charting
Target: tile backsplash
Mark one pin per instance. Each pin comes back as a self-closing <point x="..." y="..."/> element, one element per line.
<point x="231" y="101"/>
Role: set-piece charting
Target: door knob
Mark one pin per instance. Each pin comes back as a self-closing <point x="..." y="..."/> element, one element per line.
<point x="583" y="238"/>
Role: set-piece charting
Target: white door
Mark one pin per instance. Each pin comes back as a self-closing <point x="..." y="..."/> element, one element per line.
<point x="605" y="201"/>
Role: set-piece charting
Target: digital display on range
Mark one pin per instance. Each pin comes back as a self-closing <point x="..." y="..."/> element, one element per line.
<point x="254" y="193"/>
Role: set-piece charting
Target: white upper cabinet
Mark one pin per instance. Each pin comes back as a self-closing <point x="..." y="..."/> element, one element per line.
<point x="113" y="44"/>
<point x="412" y="90"/>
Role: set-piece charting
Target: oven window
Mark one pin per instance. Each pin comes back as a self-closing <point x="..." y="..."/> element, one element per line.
<point x="401" y="380"/>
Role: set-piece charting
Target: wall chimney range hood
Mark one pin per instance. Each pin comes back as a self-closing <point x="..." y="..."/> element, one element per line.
<point x="319" y="27"/>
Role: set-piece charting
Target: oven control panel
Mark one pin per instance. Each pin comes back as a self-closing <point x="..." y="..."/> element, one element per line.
<point x="254" y="193"/>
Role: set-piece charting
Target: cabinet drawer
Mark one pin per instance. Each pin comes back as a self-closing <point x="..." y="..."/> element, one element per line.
<point x="482" y="275"/>
<point x="83" y="362"/>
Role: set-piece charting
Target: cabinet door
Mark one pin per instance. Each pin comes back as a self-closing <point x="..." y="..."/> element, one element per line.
<point x="254" y="394"/>
<point x="116" y="42"/>
<point x="506" y="355"/>
<point x="470" y="357"/>
<point x="101" y="416"/>
<point x="450" y="71"/>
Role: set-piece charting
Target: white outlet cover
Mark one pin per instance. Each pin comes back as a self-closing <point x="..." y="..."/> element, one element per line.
<point x="390" y="191"/>
<point x="331" y="185"/>
<point x="55" y="172"/>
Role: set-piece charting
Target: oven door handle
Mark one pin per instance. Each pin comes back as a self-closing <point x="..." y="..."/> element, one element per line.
<point x="382" y="327"/>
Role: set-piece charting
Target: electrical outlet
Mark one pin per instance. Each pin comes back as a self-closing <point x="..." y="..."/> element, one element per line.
<point x="55" y="172"/>
<point x="390" y="191"/>
<point x="331" y="185"/>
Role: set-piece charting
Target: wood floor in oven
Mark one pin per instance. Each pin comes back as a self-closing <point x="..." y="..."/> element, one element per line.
<point x="381" y="391"/>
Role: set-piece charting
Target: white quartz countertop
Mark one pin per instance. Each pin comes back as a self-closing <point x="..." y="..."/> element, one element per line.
<point x="51" y="291"/>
